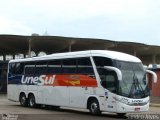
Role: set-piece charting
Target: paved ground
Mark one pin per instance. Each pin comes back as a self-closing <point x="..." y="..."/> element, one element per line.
<point x="155" y="100"/>
<point x="26" y="113"/>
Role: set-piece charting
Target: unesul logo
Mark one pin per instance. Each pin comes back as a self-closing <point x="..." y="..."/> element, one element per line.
<point x="38" y="80"/>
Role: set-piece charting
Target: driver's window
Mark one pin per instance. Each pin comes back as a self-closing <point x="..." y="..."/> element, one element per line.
<point x="108" y="79"/>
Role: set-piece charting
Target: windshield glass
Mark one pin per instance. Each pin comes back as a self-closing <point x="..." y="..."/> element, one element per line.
<point x="134" y="81"/>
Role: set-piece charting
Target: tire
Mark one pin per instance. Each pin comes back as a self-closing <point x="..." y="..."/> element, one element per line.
<point x="94" y="107"/>
<point x="23" y="100"/>
<point x="31" y="101"/>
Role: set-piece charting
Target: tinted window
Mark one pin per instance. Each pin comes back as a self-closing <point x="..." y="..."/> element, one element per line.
<point x="85" y="66"/>
<point x="41" y="67"/>
<point x="54" y="67"/>
<point x="29" y="68"/>
<point x="102" y="61"/>
<point x="69" y="66"/>
<point x="108" y="79"/>
<point x="19" y="68"/>
<point x="12" y="68"/>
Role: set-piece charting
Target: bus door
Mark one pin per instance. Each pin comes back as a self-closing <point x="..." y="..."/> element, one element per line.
<point x="108" y="82"/>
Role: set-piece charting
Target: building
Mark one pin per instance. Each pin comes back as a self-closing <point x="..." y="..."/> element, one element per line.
<point x="16" y="46"/>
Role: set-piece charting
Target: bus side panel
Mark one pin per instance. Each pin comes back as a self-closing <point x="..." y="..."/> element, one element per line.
<point x="62" y="95"/>
<point x="77" y="96"/>
<point x="80" y="87"/>
<point x="14" y="86"/>
<point x="46" y="95"/>
<point x="13" y="93"/>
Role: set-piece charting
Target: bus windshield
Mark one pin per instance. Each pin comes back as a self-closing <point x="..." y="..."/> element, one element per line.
<point x="134" y="82"/>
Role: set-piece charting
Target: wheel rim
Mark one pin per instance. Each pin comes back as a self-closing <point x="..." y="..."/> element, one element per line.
<point x="32" y="102"/>
<point x="23" y="100"/>
<point x="94" y="107"/>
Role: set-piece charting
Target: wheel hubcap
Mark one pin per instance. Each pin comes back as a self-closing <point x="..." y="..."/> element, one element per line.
<point x="31" y="102"/>
<point x="23" y="99"/>
<point x="94" y="106"/>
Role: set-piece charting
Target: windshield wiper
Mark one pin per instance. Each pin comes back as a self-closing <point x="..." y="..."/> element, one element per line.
<point x="136" y="86"/>
<point x="141" y="88"/>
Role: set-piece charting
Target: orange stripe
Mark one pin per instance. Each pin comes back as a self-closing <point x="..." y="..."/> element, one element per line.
<point x="74" y="80"/>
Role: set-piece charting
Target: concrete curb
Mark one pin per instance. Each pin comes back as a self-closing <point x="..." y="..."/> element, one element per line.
<point x="154" y="105"/>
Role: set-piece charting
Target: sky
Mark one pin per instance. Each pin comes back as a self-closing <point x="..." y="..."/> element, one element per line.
<point x="118" y="20"/>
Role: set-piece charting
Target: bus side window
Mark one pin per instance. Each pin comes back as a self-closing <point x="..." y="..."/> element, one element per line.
<point x="16" y="68"/>
<point x="108" y="79"/>
<point x="69" y="66"/>
<point x="12" y="68"/>
<point x="111" y="86"/>
<point x="19" y="68"/>
<point x="54" y="67"/>
<point x="29" y="68"/>
<point x="85" y="67"/>
<point x="41" y="67"/>
<point x="102" y="61"/>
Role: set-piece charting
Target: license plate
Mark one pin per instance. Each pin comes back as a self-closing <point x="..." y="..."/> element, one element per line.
<point x="137" y="109"/>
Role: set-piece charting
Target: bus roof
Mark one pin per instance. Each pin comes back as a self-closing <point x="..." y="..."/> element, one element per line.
<point x="104" y="53"/>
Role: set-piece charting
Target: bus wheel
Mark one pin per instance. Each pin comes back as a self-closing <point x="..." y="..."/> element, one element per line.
<point x="94" y="107"/>
<point x="23" y="100"/>
<point x="31" y="101"/>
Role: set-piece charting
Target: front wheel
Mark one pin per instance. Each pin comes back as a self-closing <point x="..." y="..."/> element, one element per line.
<point x="32" y="101"/>
<point x="94" y="107"/>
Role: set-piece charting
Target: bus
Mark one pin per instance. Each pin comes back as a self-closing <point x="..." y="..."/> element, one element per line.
<point x="98" y="80"/>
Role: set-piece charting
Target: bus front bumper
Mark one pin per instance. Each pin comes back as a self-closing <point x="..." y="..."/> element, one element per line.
<point x="124" y="108"/>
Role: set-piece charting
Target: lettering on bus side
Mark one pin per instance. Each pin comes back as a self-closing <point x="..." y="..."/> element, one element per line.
<point x="137" y="101"/>
<point x="38" y="80"/>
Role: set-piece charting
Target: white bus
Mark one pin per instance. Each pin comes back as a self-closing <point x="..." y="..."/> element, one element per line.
<point x="98" y="80"/>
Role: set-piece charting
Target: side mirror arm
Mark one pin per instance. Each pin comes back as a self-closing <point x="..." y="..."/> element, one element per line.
<point x="118" y="72"/>
<point x="153" y="74"/>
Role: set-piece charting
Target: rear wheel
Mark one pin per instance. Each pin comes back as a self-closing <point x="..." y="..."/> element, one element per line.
<point x="94" y="107"/>
<point x="31" y="101"/>
<point x="23" y="100"/>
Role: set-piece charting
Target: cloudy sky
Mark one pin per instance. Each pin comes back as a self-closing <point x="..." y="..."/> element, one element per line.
<point x="119" y="20"/>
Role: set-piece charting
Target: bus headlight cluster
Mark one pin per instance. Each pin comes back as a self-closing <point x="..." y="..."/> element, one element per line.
<point x="131" y="102"/>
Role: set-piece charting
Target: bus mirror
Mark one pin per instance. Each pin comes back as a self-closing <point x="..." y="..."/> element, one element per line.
<point x="118" y="72"/>
<point x="154" y="76"/>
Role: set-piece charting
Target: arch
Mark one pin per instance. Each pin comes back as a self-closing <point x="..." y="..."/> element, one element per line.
<point x="42" y="53"/>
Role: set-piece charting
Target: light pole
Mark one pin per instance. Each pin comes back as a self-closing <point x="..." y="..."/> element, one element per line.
<point x="29" y="48"/>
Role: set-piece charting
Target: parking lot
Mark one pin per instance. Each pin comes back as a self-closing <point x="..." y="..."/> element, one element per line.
<point x="26" y="113"/>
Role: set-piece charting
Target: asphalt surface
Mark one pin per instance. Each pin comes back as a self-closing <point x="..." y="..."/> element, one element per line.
<point x="14" y="111"/>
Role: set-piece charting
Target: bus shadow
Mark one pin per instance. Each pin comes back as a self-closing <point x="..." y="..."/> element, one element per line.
<point x="104" y="114"/>
<point x="79" y="112"/>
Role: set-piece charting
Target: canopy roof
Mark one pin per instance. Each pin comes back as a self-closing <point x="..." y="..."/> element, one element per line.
<point x="15" y="44"/>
